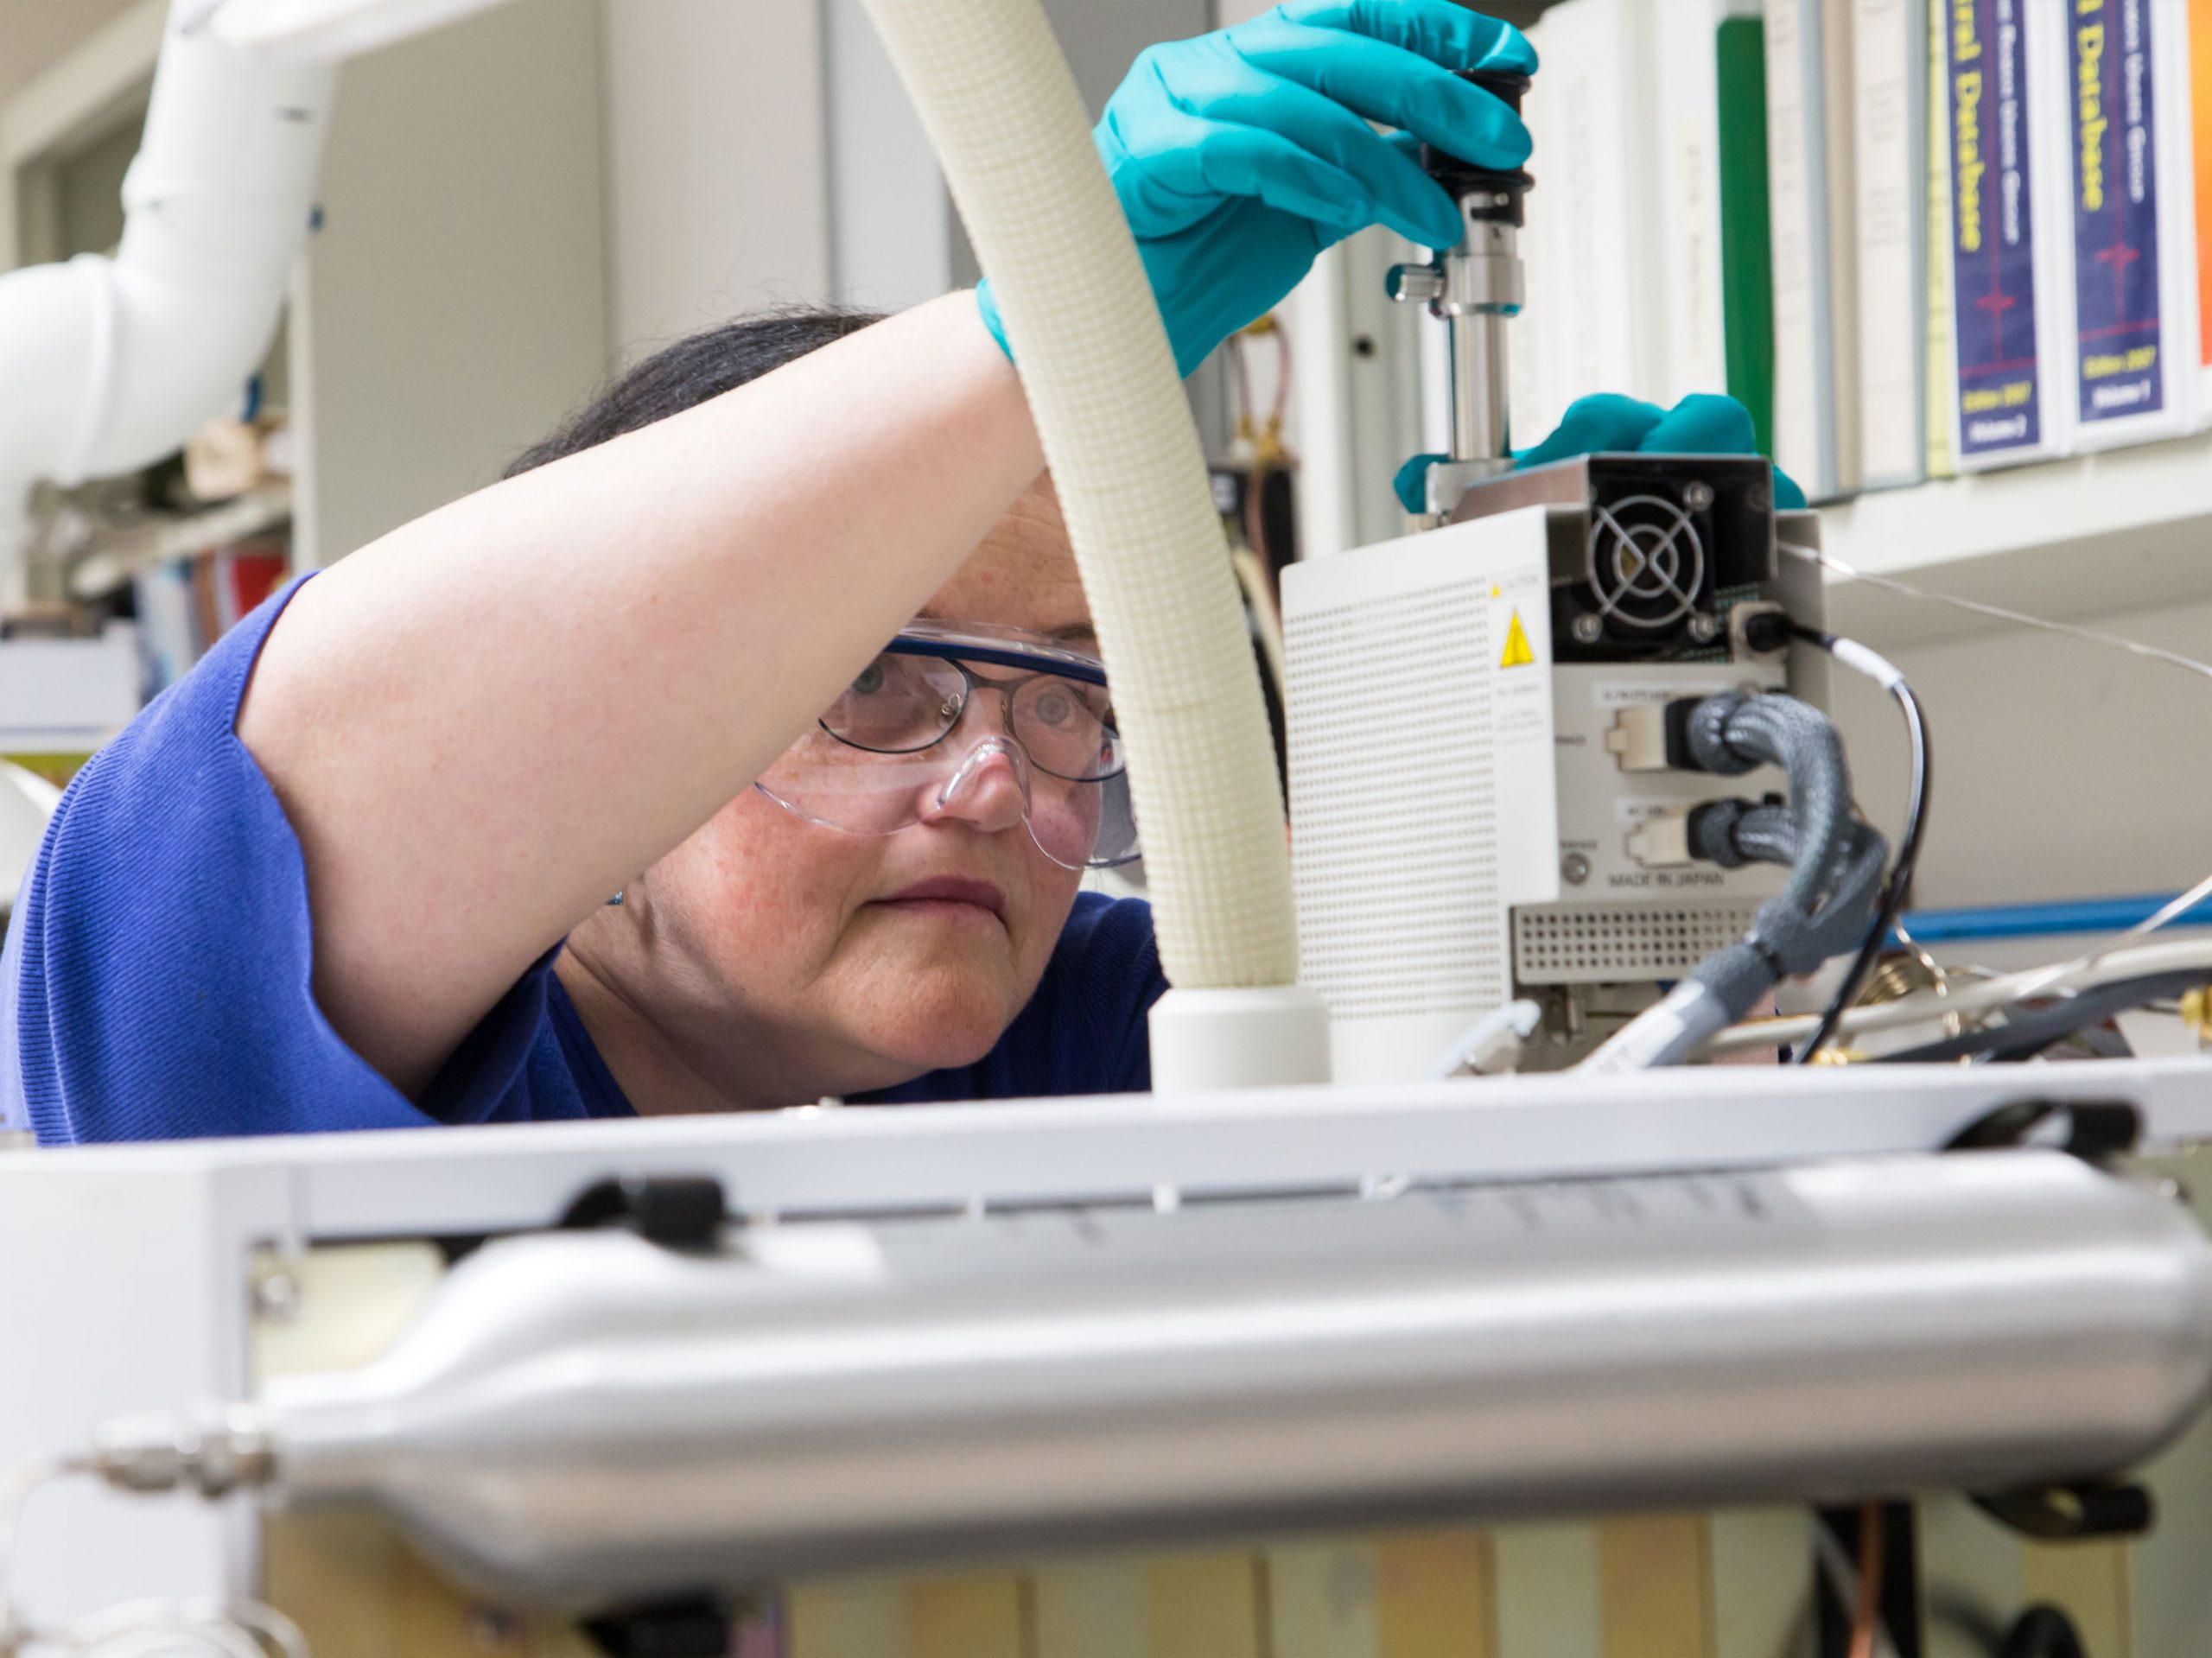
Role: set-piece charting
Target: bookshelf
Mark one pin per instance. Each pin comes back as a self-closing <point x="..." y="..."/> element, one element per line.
<point x="124" y="554"/>
<point x="1837" y="260"/>
<point x="453" y="307"/>
<point x="2094" y="535"/>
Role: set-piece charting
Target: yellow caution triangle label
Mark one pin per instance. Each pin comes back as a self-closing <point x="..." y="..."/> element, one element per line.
<point x="1518" y="653"/>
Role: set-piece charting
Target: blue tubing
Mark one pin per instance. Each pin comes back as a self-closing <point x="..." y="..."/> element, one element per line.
<point x="2091" y="915"/>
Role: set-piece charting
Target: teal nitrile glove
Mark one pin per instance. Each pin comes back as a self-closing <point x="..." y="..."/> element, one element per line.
<point x="1702" y="423"/>
<point x="1239" y="156"/>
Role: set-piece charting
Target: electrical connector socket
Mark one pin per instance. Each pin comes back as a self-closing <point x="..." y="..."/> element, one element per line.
<point x="1657" y="737"/>
<point x="1662" y="843"/>
<point x="1637" y="738"/>
<point x="1758" y="631"/>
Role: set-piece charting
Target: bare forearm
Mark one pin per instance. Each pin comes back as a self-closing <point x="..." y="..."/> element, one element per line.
<point x="483" y="723"/>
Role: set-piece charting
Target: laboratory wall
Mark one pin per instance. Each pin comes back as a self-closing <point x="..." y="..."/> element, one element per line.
<point x="2061" y="770"/>
<point x="716" y="163"/>
<point x="891" y="219"/>
<point x="34" y="33"/>
<point x="454" y="303"/>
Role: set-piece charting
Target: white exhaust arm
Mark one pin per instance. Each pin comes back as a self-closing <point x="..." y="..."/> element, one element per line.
<point x="107" y="365"/>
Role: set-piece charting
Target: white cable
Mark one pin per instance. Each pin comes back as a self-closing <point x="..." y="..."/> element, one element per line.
<point x="138" y="1629"/>
<point x="232" y="1628"/>
<point x="2085" y="973"/>
<point x="282" y="1635"/>
<point x="1875" y="667"/>
<point x="2171" y="911"/>
<point x="15" y="1491"/>
<point x="1479" y="1043"/>
<point x="2063" y="971"/>
<point x="144" y="1628"/>
<point x="1998" y="612"/>
<point x="1665" y="1033"/>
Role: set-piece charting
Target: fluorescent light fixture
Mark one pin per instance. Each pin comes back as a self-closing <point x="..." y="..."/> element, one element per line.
<point x="326" y="31"/>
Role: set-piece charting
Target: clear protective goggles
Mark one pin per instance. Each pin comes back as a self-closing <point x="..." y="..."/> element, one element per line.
<point x="966" y="720"/>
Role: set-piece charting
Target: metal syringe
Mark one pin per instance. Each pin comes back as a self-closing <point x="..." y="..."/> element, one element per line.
<point x="1474" y="288"/>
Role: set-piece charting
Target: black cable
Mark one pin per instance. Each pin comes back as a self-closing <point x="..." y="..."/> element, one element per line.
<point x="1916" y="819"/>
<point x="2043" y="1631"/>
<point x="1835" y="883"/>
<point x="2027" y="1034"/>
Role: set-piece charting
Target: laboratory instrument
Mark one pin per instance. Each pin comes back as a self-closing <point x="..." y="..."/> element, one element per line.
<point x="1564" y="800"/>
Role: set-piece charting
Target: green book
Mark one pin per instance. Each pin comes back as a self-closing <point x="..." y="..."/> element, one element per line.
<point x="1746" y="246"/>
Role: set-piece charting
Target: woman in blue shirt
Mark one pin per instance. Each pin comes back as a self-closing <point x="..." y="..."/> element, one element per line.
<point x="354" y="870"/>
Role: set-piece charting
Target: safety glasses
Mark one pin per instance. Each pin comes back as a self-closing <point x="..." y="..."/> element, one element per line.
<point x="969" y="720"/>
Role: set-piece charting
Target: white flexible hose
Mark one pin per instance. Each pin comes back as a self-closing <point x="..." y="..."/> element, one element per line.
<point x="107" y="365"/>
<point x="1002" y="108"/>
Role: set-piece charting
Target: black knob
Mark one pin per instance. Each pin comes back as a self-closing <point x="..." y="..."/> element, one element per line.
<point x="1464" y="178"/>
<point x="1507" y="84"/>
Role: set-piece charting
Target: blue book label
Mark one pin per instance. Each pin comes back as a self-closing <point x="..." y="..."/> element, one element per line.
<point x="2115" y="210"/>
<point x="1993" y="227"/>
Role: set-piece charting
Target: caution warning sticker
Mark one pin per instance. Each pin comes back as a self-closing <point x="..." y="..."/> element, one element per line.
<point x="1518" y="653"/>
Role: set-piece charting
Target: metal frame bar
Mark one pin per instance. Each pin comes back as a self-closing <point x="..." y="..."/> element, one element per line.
<point x="819" y="1160"/>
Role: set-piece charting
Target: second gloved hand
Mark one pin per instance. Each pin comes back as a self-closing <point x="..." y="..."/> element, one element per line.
<point x="1238" y="155"/>
<point x="1702" y="423"/>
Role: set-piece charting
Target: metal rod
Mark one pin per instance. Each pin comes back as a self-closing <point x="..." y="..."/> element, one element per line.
<point x="1479" y="382"/>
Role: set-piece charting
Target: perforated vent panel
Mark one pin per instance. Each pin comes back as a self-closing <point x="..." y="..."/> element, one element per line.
<point x="1595" y="943"/>
<point x="1394" y="841"/>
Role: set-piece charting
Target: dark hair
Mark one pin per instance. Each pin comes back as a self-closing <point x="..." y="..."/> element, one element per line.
<point x="694" y="370"/>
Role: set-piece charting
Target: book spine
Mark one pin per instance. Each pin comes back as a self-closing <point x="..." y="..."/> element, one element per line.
<point x="259" y="570"/>
<point x="1687" y="102"/>
<point x="1535" y="359"/>
<point x="1746" y="226"/>
<point x="164" y="601"/>
<point x="1839" y="158"/>
<point x="1804" y="339"/>
<point x="1652" y="309"/>
<point x="2123" y="370"/>
<point x="2051" y="141"/>
<point x="224" y="582"/>
<point x="207" y="616"/>
<point x="2179" y="260"/>
<point x="1890" y="55"/>
<point x="2004" y="414"/>
<point x="1605" y="288"/>
<point x="2199" y="147"/>
<point x="1940" y="378"/>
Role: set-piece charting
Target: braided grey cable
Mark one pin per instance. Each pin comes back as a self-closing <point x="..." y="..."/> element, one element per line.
<point x="1835" y="870"/>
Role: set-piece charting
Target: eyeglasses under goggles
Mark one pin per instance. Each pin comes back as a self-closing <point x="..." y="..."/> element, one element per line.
<point x="950" y="711"/>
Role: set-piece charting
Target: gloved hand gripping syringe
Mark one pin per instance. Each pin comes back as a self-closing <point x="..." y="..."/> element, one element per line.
<point x="1474" y="287"/>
